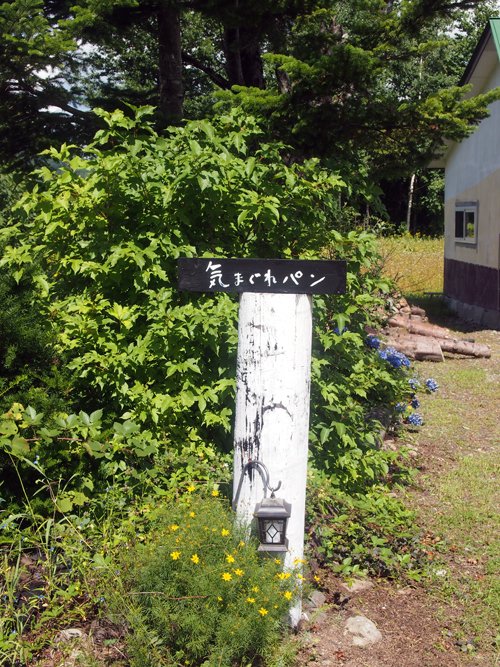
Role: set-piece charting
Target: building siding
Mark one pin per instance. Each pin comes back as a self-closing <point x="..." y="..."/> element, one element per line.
<point x="472" y="174"/>
<point x="472" y="284"/>
<point x="485" y="251"/>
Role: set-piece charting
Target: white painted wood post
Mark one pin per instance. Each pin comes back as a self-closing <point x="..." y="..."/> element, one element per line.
<point x="272" y="407"/>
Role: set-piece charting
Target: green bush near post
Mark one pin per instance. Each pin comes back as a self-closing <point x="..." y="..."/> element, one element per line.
<point x="198" y="592"/>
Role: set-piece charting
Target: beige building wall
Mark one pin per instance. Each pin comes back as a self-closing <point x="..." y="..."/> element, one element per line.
<point x="473" y="174"/>
<point x="486" y="250"/>
<point x="472" y="180"/>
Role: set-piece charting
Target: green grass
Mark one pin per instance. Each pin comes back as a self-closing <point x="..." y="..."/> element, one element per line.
<point x="462" y="505"/>
<point x="414" y="263"/>
<point x="469" y="497"/>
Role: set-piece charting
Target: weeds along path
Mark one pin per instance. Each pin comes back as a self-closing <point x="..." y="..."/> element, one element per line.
<point x="451" y="618"/>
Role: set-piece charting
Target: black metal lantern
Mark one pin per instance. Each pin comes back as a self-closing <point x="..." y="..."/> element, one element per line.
<point x="272" y="515"/>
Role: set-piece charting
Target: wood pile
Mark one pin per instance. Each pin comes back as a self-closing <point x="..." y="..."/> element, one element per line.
<point x="410" y="332"/>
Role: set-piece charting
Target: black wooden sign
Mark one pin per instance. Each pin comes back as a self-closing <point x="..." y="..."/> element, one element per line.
<point x="285" y="276"/>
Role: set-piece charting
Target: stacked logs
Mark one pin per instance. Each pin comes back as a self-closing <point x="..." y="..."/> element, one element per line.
<point x="410" y="332"/>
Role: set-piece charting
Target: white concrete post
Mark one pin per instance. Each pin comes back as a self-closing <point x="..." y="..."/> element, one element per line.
<point x="272" y="407"/>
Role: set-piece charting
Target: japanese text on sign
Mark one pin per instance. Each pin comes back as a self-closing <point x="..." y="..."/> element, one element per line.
<point x="260" y="275"/>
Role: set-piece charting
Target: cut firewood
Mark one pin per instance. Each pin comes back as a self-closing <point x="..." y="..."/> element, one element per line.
<point x="409" y="332"/>
<point x="419" y="348"/>
<point x="422" y="328"/>
<point x="424" y="347"/>
<point x="465" y="347"/>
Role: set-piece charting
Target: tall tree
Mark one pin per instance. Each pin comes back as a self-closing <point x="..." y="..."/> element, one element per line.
<point x="332" y="78"/>
<point x="37" y="106"/>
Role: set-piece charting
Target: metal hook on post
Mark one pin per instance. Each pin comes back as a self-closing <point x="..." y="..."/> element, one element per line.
<point x="264" y="475"/>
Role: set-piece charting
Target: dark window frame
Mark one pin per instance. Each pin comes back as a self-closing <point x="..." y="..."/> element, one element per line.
<point x="464" y="211"/>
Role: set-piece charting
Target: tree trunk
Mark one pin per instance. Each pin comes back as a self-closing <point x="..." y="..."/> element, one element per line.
<point x="171" y="87"/>
<point x="243" y="57"/>
<point x="232" y="53"/>
<point x="251" y="61"/>
<point x="409" y="210"/>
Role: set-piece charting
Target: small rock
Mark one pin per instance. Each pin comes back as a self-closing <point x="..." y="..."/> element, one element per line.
<point x="70" y="634"/>
<point x="357" y="585"/>
<point x="364" y="632"/>
<point x="390" y="444"/>
<point x="317" y="599"/>
<point x="405" y="591"/>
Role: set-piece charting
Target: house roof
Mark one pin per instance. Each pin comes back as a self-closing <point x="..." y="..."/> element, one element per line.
<point x="479" y="69"/>
<point x="486" y="55"/>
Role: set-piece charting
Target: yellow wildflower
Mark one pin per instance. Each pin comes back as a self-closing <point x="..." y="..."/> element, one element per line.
<point x="300" y="576"/>
<point x="263" y="611"/>
<point x="241" y="544"/>
<point x="250" y="600"/>
<point x="175" y="555"/>
<point x="227" y="576"/>
<point x="277" y="561"/>
<point x="195" y="558"/>
<point x="215" y="493"/>
<point x="219" y="598"/>
<point x="229" y="558"/>
<point x="224" y="532"/>
<point x="238" y="572"/>
<point x="191" y="488"/>
<point x="255" y="589"/>
<point x="283" y="575"/>
<point x="174" y="527"/>
<point x="288" y="595"/>
<point x="316" y="578"/>
<point x="298" y="561"/>
<point x="192" y="515"/>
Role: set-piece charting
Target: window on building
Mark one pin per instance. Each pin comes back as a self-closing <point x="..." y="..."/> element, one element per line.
<point x="466" y="222"/>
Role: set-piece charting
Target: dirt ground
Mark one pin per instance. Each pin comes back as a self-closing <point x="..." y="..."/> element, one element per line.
<point x="418" y="628"/>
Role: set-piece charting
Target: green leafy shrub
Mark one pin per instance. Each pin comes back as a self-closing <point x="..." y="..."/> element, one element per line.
<point x="30" y="370"/>
<point x="370" y="533"/>
<point x="104" y="231"/>
<point x="198" y="592"/>
<point x="72" y="464"/>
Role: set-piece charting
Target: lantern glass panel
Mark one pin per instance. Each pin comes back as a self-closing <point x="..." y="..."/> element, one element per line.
<point x="274" y="531"/>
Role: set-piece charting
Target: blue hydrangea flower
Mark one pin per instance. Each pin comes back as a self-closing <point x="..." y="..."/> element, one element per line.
<point x="395" y="358"/>
<point x="431" y="384"/>
<point x="400" y="407"/>
<point x="338" y="331"/>
<point x="415" y="419"/>
<point x="373" y="342"/>
<point x="415" y="403"/>
<point x="414" y="383"/>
